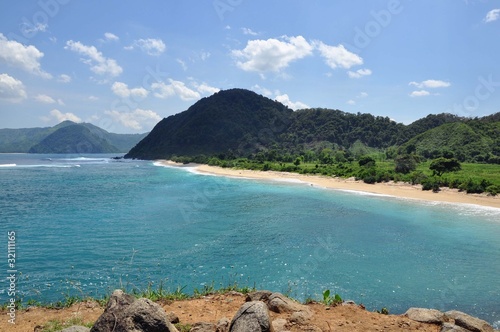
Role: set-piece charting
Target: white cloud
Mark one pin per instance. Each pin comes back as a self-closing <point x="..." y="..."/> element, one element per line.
<point x="285" y="100"/>
<point x="175" y="88"/>
<point x="359" y="73"/>
<point x="263" y="91"/>
<point x="338" y="56"/>
<point x="137" y="120"/>
<point x="204" y="55"/>
<point x="420" y="93"/>
<point x="93" y="98"/>
<point x="97" y="62"/>
<point x="11" y="90"/>
<point x="351" y="102"/>
<point x="17" y="55"/>
<point x="45" y="99"/>
<point x="362" y="95"/>
<point x="182" y="63"/>
<point x="60" y="117"/>
<point x="121" y="89"/>
<point x="492" y="16"/>
<point x="151" y="46"/>
<point x="60" y="102"/>
<point x="271" y="55"/>
<point x="111" y="36"/>
<point x="206" y="89"/>
<point x="29" y="29"/>
<point x="63" y="78"/>
<point x="430" y="84"/>
<point x="247" y="31"/>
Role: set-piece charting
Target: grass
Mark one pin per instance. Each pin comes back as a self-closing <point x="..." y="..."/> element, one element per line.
<point x="58" y="325"/>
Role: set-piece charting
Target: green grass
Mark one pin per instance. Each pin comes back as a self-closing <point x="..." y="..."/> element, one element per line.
<point x="58" y="325"/>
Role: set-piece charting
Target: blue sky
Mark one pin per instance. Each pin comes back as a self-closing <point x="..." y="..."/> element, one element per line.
<point x="124" y="65"/>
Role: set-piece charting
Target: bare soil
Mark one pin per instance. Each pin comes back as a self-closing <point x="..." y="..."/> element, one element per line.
<point x="211" y="309"/>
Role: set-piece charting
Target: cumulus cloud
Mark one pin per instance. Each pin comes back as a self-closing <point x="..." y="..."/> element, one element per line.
<point x="11" y="89"/>
<point x="63" y="78"/>
<point x="150" y="46"/>
<point x="206" y="89"/>
<point x="29" y="29"/>
<point x="338" y="56"/>
<point x="351" y="102"/>
<point x="285" y="100"/>
<point x="359" y="73"/>
<point x="271" y="55"/>
<point x="93" y="98"/>
<point x="60" y="117"/>
<point x="111" y="36"/>
<point x="121" y="89"/>
<point x="430" y="84"/>
<point x="263" y="91"/>
<point x="175" y="88"/>
<point x="362" y="95"/>
<point x="492" y="16"/>
<point x="97" y="62"/>
<point x="17" y="55"/>
<point x="45" y="99"/>
<point x="137" y="119"/>
<point x="420" y="93"/>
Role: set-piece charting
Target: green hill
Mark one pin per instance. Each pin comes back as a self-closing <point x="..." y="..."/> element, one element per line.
<point x="61" y="138"/>
<point x="233" y="121"/>
<point x="240" y="123"/>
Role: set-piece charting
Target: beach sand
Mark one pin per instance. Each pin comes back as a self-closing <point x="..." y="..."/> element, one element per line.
<point x="402" y="190"/>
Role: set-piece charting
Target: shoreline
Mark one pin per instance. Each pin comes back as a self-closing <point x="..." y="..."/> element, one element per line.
<point x="399" y="190"/>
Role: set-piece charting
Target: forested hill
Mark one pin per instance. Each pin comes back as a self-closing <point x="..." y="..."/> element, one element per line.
<point x="241" y="123"/>
<point x="66" y="137"/>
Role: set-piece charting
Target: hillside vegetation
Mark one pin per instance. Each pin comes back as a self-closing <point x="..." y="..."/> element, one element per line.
<point x="239" y="128"/>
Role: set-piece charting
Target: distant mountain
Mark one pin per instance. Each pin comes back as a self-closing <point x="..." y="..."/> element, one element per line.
<point x="231" y="121"/>
<point x="241" y="123"/>
<point x="66" y="137"/>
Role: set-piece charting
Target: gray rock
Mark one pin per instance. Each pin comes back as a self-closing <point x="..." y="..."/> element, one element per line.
<point x="172" y="317"/>
<point x="279" y="303"/>
<point x="223" y="325"/>
<point x="468" y="322"/>
<point x="300" y="317"/>
<point x="124" y="313"/>
<point x="430" y="316"/>
<point x="279" y="325"/>
<point x="251" y="317"/>
<point x="449" y="327"/>
<point x="203" y="327"/>
<point x="76" y="328"/>
<point x="258" y="296"/>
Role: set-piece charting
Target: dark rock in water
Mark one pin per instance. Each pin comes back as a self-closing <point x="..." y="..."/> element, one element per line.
<point x="252" y="317"/>
<point x="468" y="322"/>
<point x="430" y="316"/>
<point x="124" y="313"/>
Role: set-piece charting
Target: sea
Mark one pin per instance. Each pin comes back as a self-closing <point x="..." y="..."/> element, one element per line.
<point x="85" y="225"/>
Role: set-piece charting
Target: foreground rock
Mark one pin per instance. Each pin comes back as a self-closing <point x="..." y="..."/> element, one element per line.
<point x="450" y="321"/>
<point x="252" y="317"/>
<point x="124" y="313"/>
<point x="430" y="316"/>
<point x="468" y="322"/>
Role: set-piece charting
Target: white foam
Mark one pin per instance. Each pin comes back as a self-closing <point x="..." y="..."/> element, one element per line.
<point x="8" y="165"/>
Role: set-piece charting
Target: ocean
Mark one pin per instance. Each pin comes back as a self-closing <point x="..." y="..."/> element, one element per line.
<point x="87" y="224"/>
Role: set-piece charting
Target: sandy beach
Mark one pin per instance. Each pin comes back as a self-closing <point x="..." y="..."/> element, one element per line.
<point x="402" y="190"/>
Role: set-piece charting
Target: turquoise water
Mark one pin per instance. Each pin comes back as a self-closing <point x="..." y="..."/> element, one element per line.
<point x="88" y="224"/>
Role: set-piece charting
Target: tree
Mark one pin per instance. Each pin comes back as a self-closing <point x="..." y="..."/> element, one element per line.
<point x="405" y="164"/>
<point x="366" y="161"/>
<point x="442" y="165"/>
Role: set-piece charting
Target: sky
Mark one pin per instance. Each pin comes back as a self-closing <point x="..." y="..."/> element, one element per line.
<point x="124" y="65"/>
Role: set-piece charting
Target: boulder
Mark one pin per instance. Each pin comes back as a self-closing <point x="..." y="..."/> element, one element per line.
<point x="251" y="317"/>
<point x="172" y="317"/>
<point x="430" y="316"/>
<point x="223" y="325"/>
<point x="281" y="304"/>
<point x="279" y="325"/>
<point x="449" y="327"/>
<point x="203" y="327"/>
<point x="258" y="296"/>
<point x="124" y="313"/>
<point x="76" y="328"/>
<point x="468" y="322"/>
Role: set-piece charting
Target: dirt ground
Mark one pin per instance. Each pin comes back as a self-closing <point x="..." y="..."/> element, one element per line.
<point x="212" y="308"/>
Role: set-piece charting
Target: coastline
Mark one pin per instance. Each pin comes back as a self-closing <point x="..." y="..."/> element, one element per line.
<point x="400" y="190"/>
